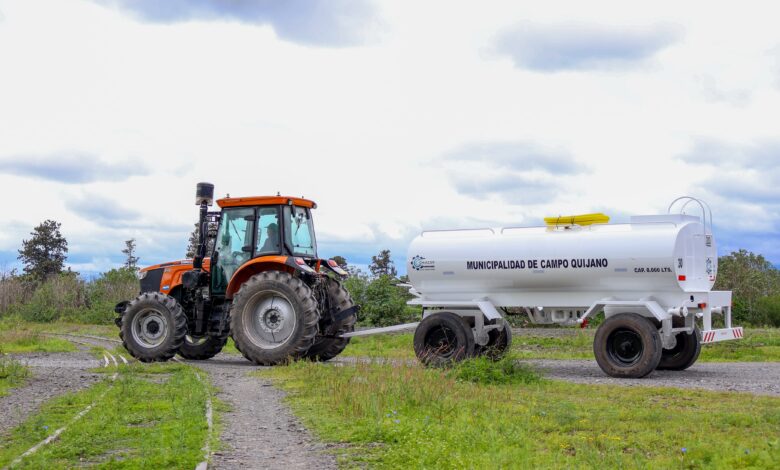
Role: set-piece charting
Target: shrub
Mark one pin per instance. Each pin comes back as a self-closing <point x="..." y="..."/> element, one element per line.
<point x="767" y="312"/>
<point x="482" y="370"/>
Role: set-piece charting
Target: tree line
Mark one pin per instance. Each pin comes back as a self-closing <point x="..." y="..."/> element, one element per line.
<point x="47" y="290"/>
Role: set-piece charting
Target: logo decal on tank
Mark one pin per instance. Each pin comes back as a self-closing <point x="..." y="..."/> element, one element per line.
<point x="421" y="264"/>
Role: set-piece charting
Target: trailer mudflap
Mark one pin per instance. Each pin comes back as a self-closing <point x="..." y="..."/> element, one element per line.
<point x="724" y="334"/>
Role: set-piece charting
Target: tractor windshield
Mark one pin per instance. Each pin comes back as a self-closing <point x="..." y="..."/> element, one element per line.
<point x="299" y="231"/>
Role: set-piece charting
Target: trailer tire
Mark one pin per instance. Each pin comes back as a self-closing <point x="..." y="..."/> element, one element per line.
<point x="339" y="300"/>
<point x="684" y="354"/>
<point x="201" y="348"/>
<point x="498" y="343"/>
<point x="627" y="345"/>
<point x="442" y="339"/>
<point x="153" y="327"/>
<point x="273" y="318"/>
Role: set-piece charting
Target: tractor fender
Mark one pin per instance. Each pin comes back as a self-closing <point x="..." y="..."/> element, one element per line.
<point x="257" y="265"/>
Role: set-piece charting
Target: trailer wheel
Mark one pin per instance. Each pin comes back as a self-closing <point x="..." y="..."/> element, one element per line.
<point x="627" y="345"/>
<point x="153" y="327"/>
<point x="273" y="318"/>
<point x="498" y="343"/>
<point x="199" y="348"/>
<point x="326" y="348"/>
<point x="443" y="338"/>
<point x="684" y="354"/>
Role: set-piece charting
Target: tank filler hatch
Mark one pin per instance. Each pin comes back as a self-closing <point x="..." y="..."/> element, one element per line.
<point x="570" y="220"/>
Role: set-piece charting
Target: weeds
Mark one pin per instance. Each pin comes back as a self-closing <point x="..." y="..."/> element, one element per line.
<point x="484" y="371"/>
<point x="407" y="416"/>
<point x="12" y="374"/>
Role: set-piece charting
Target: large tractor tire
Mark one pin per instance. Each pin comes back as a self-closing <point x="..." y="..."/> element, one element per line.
<point x="273" y="318"/>
<point x="498" y="343"/>
<point x="153" y="327"/>
<point x="442" y="339"/>
<point x="684" y="354"/>
<point x="627" y="345"/>
<point x="199" y="348"/>
<point x="326" y="348"/>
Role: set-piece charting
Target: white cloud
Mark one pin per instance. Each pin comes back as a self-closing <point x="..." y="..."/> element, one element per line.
<point x="364" y="130"/>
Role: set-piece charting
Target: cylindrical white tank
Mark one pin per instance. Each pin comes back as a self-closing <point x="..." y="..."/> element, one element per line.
<point x="664" y="253"/>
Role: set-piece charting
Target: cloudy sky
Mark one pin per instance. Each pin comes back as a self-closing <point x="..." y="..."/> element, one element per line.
<point x="394" y="116"/>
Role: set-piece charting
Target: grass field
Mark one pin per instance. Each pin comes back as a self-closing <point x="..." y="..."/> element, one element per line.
<point x="758" y="345"/>
<point x="12" y="374"/>
<point x="498" y="415"/>
<point x="151" y="417"/>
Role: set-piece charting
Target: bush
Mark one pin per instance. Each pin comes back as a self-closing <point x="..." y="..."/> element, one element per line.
<point x="67" y="297"/>
<point x="60" y="295"/>
<point x="482" y="370"/>
<point x="767" y="312"/>
<point x="382" y="303"/>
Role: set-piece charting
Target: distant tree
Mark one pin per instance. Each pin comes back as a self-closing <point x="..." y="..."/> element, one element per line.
<point x="45" y="252"/>
<point x="192" y="245"/>
<point x="751" y="278"/>
<point x="382" y="265"/>
<point x="341" y="261"/>
<point x="131" y="261"/>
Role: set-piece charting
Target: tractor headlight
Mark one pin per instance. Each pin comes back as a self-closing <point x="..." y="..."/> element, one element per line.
<point x="141" y="274"/>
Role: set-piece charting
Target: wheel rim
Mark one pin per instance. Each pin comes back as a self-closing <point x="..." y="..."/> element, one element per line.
<point x="269" y="320"/>
<point x="625" y="346"/>
<point x="441" y="341"/>
<point x="150" y="328"/>
<point x="195" y="340"/>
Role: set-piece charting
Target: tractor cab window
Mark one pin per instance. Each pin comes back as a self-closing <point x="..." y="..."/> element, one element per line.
<point x="233" y="246"/>
<point x="268" y="239"/>
<point x="299" y="232"/>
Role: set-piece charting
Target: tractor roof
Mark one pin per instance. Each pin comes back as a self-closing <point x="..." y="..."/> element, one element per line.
<point x="265" y="201"/>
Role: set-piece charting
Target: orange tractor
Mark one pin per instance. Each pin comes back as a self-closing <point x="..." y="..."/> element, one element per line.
<point x="262" y="284"/>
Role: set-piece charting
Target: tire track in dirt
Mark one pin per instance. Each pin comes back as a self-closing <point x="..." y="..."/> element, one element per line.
<point x="259" y="431"/>
<point x="53" y="374"/>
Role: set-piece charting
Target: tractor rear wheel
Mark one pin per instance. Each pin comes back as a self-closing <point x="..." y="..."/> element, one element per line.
<point x="273" y="318"/>
<point x="684" y="354"/>
<point x="153" y="327"/>
<point x="627" y="345"/>
<point x="443" y="338"/>
<point x="498" y="343"/>
<point x="201" y="347"/>
<point x="339" y="300"/>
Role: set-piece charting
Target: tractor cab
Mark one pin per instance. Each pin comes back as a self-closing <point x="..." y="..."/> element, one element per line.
<point x="260" y="228"/>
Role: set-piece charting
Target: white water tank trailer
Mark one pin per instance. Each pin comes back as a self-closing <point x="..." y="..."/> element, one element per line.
<point x="652" y="279"/>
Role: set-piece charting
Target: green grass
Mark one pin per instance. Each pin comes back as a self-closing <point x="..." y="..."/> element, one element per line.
<point x="758" y="345"/>
<point x="24" y="337"/>
<point x="406" y="416"/>
<point x="395" y="346"/>
<point x="12" y="374"/>
<point x="151" y="417"/>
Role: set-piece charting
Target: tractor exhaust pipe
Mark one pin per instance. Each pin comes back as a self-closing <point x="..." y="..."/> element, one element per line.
<point x="204" y="197"/>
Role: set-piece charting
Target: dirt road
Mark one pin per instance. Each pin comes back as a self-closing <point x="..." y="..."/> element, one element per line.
<point x="259" y="431"/>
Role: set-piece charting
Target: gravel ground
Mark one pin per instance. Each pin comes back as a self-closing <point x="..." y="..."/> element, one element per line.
<point x="761" y="378"/>
<point x="259" y="431"/>
<point x="53" y="374"/>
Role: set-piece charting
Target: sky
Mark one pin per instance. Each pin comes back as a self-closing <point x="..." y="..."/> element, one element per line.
<point x="394" y="116"/>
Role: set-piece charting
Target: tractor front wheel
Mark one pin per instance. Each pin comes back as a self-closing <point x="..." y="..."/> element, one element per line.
<point x="153" y="327"/>
<point x="199" y="348"/>
<point x="273" y="318"/>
